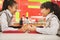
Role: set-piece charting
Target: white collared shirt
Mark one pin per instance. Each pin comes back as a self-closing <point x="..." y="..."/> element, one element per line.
<point x="54" y="25"/>
<point x="4" y="23"/>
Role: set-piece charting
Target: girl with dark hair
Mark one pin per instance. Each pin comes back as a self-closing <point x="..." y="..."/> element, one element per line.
<point x="51" y="11"/>
<point x="8" y="10"/>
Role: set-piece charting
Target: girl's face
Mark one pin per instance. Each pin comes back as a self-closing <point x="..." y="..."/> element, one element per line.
<point x="13" y="8"/>
<point x="45" y="11"/>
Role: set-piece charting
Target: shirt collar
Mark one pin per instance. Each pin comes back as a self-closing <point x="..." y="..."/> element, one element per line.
<point x="49" y="15"/>
<point x="9" y="12"/>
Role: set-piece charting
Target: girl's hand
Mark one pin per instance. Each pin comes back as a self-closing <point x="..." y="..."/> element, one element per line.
<point x="24" y="28"/>
<point x="31" y="28"/>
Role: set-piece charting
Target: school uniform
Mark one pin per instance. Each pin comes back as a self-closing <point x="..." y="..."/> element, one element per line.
<point x="6" y="20"/>
<point x="52" y="25"/>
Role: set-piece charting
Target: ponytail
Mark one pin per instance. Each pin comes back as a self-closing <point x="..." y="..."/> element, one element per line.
<point x="56" y="9"/>
<point x="7" y="3"/>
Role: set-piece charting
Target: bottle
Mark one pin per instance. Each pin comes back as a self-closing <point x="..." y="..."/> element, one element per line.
<point x="23" y="19"/>
<point x="27" y="21"/>
<point x="21" y="22"/>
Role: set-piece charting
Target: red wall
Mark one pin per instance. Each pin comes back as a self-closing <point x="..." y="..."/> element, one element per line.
<point x="23" y="7"/>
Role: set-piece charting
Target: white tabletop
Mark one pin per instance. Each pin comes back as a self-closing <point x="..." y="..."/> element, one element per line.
<point x="26" y="36"/>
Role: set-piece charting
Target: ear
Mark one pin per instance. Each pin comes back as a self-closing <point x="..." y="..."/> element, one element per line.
<point x="9" y="7"/>
<point x="48" y="9"/>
